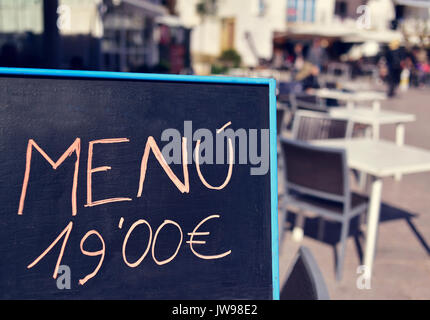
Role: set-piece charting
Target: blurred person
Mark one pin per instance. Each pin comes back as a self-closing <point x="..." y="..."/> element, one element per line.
<point x="308" y="77"/>
<point x="394" y="61"/>
<point x="9" y="55"/>
<point x="423" y="67"/>
<point x="405" y="75"/>
<point x="382" y="69"/>
<point x="30" y="57"/>
<point x="76" y="63"/>
<point x="357" y="67"/>
<point x="278" y="59"/>
<point x="317" y="54"/>
<point x="412" y="64"/>
<point x="299" y="59"/>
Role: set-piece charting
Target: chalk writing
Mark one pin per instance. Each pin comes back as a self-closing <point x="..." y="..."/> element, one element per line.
<point x="151" y="245"/>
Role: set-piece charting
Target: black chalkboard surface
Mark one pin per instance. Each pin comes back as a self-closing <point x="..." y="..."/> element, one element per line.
<point x="92" y="209"/>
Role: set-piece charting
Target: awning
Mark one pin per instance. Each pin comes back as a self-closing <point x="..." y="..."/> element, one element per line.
<point x="366" y="49"/>
<point x="325" y="31"/>
<point x="339" y="32"/>
<point x="148" y="7"/>
<point x="381" y="36"/>
<point x="171" y="21"/>
<point x="414" y="3"/>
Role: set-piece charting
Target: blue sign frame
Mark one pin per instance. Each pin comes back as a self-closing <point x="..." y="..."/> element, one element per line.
<point x="271" y="83"/>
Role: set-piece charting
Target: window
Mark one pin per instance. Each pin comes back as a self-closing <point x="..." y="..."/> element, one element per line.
<point x="300" y="10"/>
<point x="227" y="33"/>
<point x="341" y="9"/>
<point x="21" y="16"/>
<point x="261" y="7"/>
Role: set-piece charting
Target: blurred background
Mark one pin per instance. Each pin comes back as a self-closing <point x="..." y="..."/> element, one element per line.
<point x="324" y="52"/>
<point x="212" y="36"/>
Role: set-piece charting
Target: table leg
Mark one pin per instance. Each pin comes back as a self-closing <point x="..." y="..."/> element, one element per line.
<point x="376" y="105"/>
<point x="298" y="230"/>
<point x="372" y="223"/>
<point x="362" y="176"/>
<point x="362" y="181"/>
<point x="282" y="219"/>
<point x="350" y="104"/>
<point x="400" y="141"/>
<point x="375" y="133"/>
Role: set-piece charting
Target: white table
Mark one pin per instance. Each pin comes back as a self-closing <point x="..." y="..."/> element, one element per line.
<point x="379" y="159"/>
<point x="356" y="85"/>
<point x="351" y="98"/>
<point x="376" y="118"/>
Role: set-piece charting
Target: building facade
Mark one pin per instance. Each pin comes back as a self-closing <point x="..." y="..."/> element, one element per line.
<point x="250" y="26"/>
<point x="247" y="26"/>
<point x="115" y="35"/>
<point x="412" y="17"/>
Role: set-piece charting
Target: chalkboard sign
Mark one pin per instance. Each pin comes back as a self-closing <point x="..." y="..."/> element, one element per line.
<point x="137" y="186"/>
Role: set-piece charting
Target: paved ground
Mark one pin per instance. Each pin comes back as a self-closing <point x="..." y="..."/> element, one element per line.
<point x="402" y="264"/>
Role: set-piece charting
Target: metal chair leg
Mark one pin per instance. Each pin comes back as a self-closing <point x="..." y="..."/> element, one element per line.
<point x="282" y="217"/>
<point x="341" y="256"/>
<point x="321" y="227"/>
<point x="298" y="230"/>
